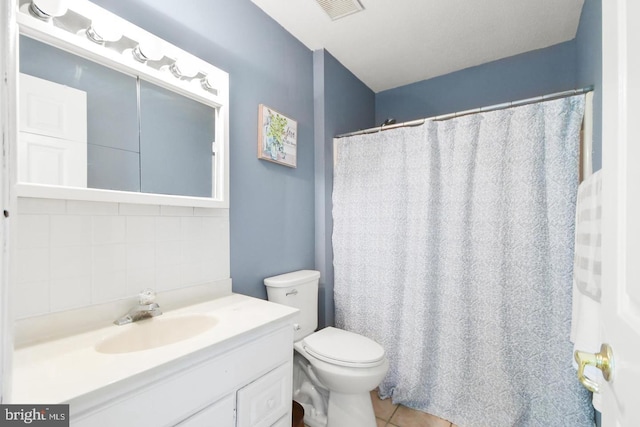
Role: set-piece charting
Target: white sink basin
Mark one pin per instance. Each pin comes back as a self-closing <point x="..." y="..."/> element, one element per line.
<point x="156" y="332"/>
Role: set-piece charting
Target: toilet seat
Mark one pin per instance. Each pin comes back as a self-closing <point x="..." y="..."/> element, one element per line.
<point x="344" y="348"/>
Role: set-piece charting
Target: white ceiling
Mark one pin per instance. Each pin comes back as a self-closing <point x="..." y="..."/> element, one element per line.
<point x="396" y="42"/>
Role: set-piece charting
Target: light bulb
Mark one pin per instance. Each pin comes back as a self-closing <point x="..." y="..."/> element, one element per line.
<point x="45" y="9"/>
<point x="148" y="50"/>
<point x="183" y="69"/>
<point x="207" y="84"/>
<point x="104" y="30"/>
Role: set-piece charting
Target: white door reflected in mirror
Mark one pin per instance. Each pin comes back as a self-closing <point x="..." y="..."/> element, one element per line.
<point x="52" y="142"/>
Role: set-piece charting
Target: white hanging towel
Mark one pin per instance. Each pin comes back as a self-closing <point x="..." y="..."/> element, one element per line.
<point x="586" y="328"/>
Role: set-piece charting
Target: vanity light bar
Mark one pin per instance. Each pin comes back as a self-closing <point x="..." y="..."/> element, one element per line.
<point x="46" y="19"/>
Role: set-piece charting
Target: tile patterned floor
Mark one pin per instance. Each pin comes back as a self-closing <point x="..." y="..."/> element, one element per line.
<point x="390" y="415"/>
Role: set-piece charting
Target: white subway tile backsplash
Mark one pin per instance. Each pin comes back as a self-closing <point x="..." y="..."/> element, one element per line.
<point x="141" y="229"/>
<point x="109" y="258"/>
<point x="70" y="293"/>
<point x="168" y="253"/>
<point x="192" y="251"/>
<point x="32" y="265"/>
<point x="70" y="230"/>
<point x="41" y="206"/>
<point x="141" y="256"/>
<point x="133" y="209"/>
<point x="139" y="279"/>
<point x="168" y="277"/>
<point x="167" y="229"/>
<point x="74" y="253"/>
<point x="191" y="228"/>
<point x="109" y="229"/>
<point x="176" y="210"/>
<point x="31" y="299"/>
<point x="81" y="207"/>
<point x="211" y="212"/>
<point x="215" y="270"/>
<point x="108" y="286"/>
<point x="33" y="231"/>
<point x="69" y="262"/>
<point x="212" y="226"/>
<point x="191" y="274"/>
<point x="216" y="263"/>
<point x="212" y="250"/>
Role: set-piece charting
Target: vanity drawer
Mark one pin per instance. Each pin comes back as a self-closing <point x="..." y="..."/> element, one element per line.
<point x="220" y="414"/>
<point x="266" y="400"/>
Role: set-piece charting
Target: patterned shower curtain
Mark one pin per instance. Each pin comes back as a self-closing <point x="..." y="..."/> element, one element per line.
<point x="453" y="248"/>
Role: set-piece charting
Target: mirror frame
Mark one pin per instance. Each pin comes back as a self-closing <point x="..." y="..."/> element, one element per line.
<point x="80" y="45"/>
<point x="8" y="128"/>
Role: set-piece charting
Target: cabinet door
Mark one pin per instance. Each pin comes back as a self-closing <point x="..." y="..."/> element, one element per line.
<point x="266" y="400"/>
<point x="283" y="422"/>
<point x="220" y="414"/>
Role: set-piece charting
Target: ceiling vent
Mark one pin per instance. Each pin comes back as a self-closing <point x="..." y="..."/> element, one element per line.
<point x="337" y="9"/>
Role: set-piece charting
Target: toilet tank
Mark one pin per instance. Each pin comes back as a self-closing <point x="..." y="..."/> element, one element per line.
<point x="297" y="289"/>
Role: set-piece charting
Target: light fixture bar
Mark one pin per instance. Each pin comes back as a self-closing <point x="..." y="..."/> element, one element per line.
<point x="108" y="39"/>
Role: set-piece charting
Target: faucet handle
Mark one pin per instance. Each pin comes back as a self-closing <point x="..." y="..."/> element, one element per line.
<point x="146" y="297"/>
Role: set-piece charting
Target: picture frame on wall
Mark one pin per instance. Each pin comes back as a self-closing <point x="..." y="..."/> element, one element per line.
<point x="277" y="137"/>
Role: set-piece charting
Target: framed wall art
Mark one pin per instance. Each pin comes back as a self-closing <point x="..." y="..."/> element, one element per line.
<point x="277" y="137"/>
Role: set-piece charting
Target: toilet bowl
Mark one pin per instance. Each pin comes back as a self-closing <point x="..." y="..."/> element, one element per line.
<point x="341" y="361"/>
<point x="335" y="369"/>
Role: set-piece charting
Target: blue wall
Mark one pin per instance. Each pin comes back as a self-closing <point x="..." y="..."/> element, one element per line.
<point x="573" y="64"/>
<point x="530" y="74"/>
<point x="342" y="103"/>
<point x="272" y="206"/>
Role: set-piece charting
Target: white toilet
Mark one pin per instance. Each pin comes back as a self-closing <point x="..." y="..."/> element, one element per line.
<point x="334" y="370"/>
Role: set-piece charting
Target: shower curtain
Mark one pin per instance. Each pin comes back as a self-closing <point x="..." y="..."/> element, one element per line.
<point x="453" y="248"/>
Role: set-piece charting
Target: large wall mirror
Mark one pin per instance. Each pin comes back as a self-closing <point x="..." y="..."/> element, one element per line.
<point x="139" y="137"/>
<point x="94" y="116"/>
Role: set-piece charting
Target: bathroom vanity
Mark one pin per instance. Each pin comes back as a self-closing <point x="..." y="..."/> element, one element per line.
<point x="88" y="243"/>
<point x="236" y="372"/>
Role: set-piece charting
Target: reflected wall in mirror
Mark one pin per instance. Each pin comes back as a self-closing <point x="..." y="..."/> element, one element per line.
<point x="175" y="143"/>
<point x="139" y="136"/>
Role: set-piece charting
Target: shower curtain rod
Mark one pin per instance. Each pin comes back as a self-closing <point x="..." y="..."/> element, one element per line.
<point x="495" y="107"/>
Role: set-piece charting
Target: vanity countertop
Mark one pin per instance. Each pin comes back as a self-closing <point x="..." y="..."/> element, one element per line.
<point x="60" y="370"/>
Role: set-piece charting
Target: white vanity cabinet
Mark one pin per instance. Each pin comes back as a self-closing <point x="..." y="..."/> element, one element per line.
<point x="266" y="400"/>
<point x="220" y="413"/>
<point x="244" y="382"/>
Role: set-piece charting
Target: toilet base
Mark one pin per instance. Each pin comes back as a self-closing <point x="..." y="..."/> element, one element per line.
<point x="353" y="410"/>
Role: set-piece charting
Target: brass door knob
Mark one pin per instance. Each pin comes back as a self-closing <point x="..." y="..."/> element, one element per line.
<point x="602" y="360"/>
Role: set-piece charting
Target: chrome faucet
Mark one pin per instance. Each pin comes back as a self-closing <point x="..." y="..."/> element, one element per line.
<point x="145" y="309"/>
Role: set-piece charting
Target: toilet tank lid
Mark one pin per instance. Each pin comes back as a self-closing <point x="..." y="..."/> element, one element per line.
<point x="291" y="279"/>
